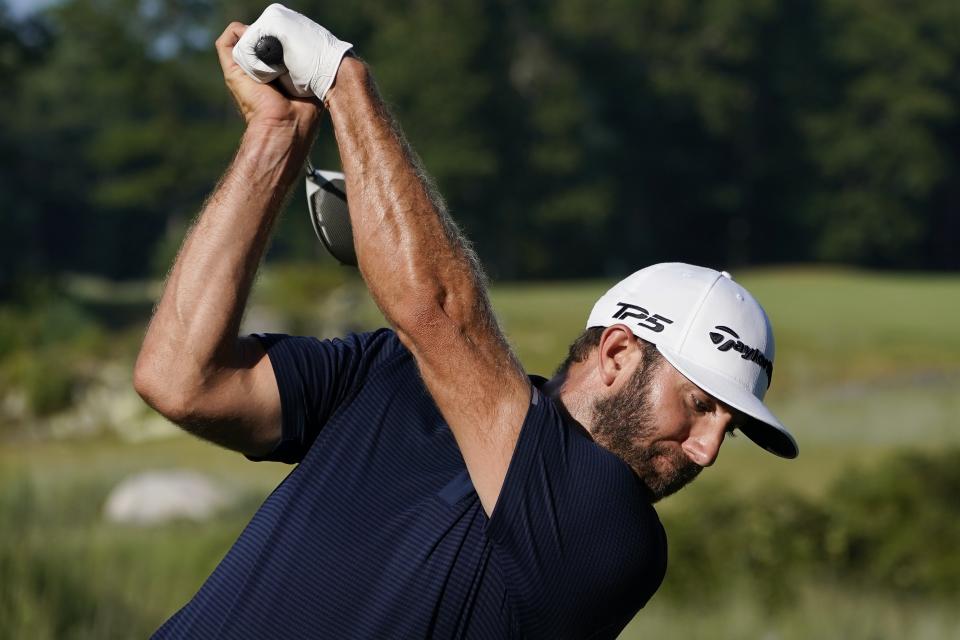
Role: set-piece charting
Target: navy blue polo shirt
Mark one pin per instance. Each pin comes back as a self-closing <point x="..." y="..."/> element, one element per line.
<point x="378" y="532"/>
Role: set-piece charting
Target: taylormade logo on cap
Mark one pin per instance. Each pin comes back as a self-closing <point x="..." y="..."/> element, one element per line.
<point x="712" y="330"/>
<point x="746" y="352"/>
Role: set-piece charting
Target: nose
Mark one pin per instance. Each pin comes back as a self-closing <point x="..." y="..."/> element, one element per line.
<point x="702" y="446"/>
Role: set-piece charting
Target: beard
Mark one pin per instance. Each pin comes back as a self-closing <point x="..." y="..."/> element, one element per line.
<point x="625" y="425"/>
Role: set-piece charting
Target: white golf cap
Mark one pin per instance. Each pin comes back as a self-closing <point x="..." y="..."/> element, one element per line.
<point x="712" y="330"/>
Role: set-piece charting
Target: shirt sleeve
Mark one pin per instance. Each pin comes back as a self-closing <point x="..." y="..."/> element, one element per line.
<point x="580" y="548"/>
<point x="315" y="378"/>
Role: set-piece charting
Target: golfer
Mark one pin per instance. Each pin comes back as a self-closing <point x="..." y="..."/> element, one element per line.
<point x="439" y="491"/>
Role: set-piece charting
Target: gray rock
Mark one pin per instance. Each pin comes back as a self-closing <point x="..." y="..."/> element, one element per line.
<point x="158" y="497"/>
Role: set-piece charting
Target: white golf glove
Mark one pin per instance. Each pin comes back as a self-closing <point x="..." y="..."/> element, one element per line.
<point x="311" y="54"/>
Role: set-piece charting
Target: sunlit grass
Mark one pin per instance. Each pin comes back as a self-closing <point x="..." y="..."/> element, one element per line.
<point x="821" y="611"/>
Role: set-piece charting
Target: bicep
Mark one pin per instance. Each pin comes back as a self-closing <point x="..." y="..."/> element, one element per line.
<point x="481" y="391"/>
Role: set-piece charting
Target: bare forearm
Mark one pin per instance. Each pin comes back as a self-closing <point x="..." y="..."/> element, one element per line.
<point x="409" y="250"/>
<point x="195" y="326"/>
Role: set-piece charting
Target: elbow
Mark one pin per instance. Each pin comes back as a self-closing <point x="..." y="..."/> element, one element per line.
<point x="419" y="319"/>
<point x="426" y="309"/>
<point x="433" y="328"/>
<point x="156" y="387"/>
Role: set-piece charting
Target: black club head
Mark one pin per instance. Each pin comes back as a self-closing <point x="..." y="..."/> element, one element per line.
<point x="269" y="50"/>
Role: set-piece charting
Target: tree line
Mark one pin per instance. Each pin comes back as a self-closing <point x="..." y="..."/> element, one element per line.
<point x="571" y="138"/>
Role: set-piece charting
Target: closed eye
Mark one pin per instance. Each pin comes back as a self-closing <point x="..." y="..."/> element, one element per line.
<point x="700" y="405"/>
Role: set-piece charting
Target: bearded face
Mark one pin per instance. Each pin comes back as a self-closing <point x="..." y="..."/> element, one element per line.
<point x="626" y="424"/>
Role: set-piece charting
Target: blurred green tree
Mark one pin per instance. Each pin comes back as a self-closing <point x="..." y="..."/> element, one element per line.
<point x="877" y="138"/>
<point x="23" y="44"/>
<point x="571" y="139"/>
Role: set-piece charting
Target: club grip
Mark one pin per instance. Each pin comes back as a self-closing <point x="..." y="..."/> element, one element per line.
<point x="269" y="50"/>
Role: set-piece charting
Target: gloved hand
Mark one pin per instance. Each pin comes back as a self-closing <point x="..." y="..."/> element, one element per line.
<point x="311" y="54"/>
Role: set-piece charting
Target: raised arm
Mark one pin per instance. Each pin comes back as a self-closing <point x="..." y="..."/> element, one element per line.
<point x="426" y="280"/>
<point x="193" y="368"/>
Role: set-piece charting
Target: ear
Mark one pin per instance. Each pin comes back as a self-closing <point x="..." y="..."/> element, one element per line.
<point x="617" y="353"/>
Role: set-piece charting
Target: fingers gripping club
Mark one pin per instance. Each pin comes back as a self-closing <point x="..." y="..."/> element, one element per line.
<point x="286" y="45"/>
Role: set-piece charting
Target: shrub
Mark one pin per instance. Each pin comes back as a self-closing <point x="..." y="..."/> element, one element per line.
<point x="891" y="528"/>
<point x="761" y="542"/>
<point x="42" y="348"/>
<point x="49" y="386"/>
<point x="896" y="526"/>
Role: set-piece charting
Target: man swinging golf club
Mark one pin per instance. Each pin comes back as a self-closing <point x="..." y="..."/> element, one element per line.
<point x="440" y="491"/>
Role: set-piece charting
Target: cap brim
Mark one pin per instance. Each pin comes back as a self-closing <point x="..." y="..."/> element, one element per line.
<point x="764" y="428"/>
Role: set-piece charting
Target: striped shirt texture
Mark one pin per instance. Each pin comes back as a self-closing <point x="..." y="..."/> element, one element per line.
<point x="378" y="532"/>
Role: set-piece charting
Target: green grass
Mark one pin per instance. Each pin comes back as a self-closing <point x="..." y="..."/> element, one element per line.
<point x="840" y="326"/>
<point x="68" y="573"/>
<point x="820" y="612"/>
<point x="867" y="364"/>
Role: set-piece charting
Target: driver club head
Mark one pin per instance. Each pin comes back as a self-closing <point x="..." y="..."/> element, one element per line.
<point x="327" y="202"/>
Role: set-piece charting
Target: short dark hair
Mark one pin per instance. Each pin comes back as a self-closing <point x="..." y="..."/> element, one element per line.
<point x="589" y="340"/>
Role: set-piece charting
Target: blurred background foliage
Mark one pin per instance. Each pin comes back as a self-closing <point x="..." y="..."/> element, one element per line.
<point x="810" y="147"/>
<point x="568" y="136"/>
